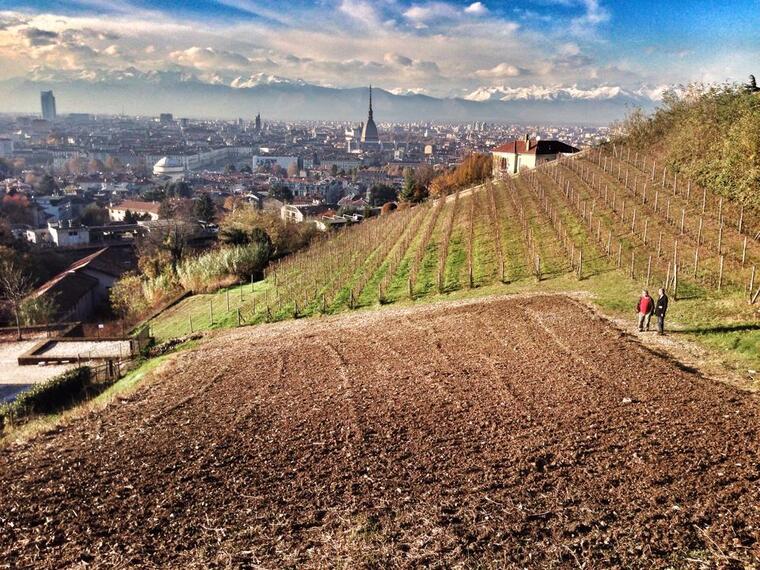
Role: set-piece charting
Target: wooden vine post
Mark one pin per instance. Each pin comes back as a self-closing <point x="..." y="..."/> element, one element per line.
<point x="699" y="231"/>
<point x="675" y="269"/>
<point x="667" y="277"/>
<point x="633" y="264"/>
<point x="751" y="281"/>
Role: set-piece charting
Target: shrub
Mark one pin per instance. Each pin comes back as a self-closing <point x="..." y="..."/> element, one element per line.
<point x="247" y="224"/>
<point x="223" y="267"/>
<point x="47" y="397"/>
<point x="474" y="169"/>
<point x="134" y="294"/>
<point x="710" y="134"/>
<point x="38" y="310"/>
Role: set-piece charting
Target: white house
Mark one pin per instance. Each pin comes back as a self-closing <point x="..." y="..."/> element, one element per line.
<point x="301" y="212"/>
<point x="117" y="212"/>
<point x="38" y="235"/>
<point x="526" y="153"/>
<point x="66" y="234"/>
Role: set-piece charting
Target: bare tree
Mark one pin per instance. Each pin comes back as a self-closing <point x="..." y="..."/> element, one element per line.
<point x="166" y="242"/>
<point x="15" y="285"/>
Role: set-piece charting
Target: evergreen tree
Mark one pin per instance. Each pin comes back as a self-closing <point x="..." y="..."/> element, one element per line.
<point x="165" y="209"/>
<point x="47" y="185"/>
<point x="178" y="189"/>
<point x="281" y="192"/>
<point x="407" y="190"/>
<point x="204" y="208"/>
<point x="382" y="193"/>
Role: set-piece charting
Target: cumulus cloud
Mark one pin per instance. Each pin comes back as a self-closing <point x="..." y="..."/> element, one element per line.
<point x="446" y="46"/>
<point x="34" y="37"/>
<point x="209" y="58"/>
<point x="500" y="71"/>
<point x="397" y="59"/>
<point x="11" y="20"/>
<point x="67" y="55"/>
<point x="594" y="15"/>
<point x="362" y="11"/>
<point x="420" y="15"/>
<point x="476" y="9"/>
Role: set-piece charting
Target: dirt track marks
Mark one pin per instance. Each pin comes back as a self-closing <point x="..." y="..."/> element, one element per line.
<point x="515" y="432"/>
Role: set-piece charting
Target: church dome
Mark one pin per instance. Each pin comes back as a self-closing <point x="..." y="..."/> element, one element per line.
<point x="168" y="166"/>
<point x="167" y="162"/>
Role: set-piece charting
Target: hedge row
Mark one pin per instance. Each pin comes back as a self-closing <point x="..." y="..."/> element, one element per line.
<point x="47" y="397"/>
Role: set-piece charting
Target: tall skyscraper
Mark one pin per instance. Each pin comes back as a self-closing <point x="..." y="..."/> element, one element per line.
<point x="257" y="124"/>
<point x="48" y="105"/>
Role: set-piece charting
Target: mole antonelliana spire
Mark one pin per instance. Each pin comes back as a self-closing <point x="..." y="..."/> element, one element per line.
<point x="369" y="131"/>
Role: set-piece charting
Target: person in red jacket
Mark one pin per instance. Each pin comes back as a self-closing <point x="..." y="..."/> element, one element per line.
<point x="645" y="308"/>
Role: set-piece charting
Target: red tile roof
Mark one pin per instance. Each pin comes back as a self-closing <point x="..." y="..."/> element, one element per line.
<point x="137" y="206"/>
<point x="520" y="146"/>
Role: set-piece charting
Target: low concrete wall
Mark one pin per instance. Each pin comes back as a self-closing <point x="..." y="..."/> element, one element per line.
<point x="53" y="330"/>
<point x="35" y="355"/>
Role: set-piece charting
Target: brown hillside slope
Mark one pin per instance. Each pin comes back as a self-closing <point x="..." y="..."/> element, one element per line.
<point x="509" y="431"/>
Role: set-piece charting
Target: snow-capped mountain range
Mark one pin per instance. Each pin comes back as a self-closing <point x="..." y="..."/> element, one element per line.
<point x="563" y="93"/>
<point x="190" y="94"/>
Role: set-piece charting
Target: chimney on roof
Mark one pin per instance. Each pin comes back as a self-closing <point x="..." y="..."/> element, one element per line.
<point x="527" y="141"/>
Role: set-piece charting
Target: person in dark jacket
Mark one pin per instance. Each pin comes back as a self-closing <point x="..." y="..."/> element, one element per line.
<point x="661" y="307"/>
<point x="644" y="308"/>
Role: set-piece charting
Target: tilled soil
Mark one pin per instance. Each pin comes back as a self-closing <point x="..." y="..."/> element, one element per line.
<point x="516" y="432"/>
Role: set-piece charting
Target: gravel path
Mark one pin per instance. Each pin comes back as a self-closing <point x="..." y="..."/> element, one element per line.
<point x="87" y="349"/>
<point x="522" y="432"/>
<point x="14" y="378"/>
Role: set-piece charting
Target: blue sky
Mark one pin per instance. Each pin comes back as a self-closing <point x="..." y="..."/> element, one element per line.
<point x="440" y="47"/>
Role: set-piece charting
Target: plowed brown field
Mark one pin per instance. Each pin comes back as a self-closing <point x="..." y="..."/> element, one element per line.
<point x="510" y="432"/>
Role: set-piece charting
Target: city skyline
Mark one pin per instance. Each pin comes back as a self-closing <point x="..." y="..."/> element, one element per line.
<point x="478" y="51"/>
